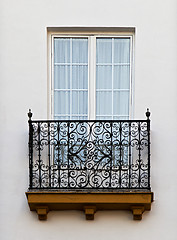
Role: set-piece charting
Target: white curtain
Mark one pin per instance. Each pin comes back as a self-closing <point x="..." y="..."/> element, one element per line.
<point x="70" y="78"/>
<point x="112" y="78"/>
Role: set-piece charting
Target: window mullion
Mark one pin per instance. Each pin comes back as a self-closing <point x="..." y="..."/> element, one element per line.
<point x="130" y="77"/>
<point x="52" y="78"/>
<point x="112" y="77"/>
<point x="92" y="78"/>
<point x="71" y="78"/>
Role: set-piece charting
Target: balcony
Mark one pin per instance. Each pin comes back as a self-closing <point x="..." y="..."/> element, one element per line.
<point x="89" y="165"/>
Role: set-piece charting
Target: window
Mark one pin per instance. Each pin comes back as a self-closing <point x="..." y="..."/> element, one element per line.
<point x="91" y="77"/>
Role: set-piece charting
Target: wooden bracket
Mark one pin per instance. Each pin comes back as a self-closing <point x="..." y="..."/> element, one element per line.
<point x="42" y="212"/>
<point x="137" y="212"/>
<point x="89" y="212"/>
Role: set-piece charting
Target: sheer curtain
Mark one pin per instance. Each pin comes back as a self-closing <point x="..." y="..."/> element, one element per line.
<point x="70" y="78"/>
<point x="112" y="78"/>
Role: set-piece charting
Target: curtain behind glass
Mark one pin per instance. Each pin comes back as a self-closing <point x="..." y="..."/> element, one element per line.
<point x="112" y="78"/>
<point x="70" y="78"/>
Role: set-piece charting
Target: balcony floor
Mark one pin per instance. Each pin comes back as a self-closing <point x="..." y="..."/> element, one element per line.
<point x="44" y="201"/>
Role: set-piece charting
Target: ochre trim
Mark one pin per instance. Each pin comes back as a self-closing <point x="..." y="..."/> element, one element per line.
<point x="89" y="202"/>
<point x="90" y="30"/>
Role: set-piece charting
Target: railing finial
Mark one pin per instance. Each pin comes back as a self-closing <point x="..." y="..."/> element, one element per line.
<point x="148" y="114"/>
<point x="30" y="114"/>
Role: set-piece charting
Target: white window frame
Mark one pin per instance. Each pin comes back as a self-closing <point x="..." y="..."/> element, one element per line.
<point x="91" y="69"/>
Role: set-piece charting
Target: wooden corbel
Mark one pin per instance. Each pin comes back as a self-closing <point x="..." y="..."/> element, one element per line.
<point x="42" y="212"/>
<point x="89" y="212"/>
<point x="137" y="212"/>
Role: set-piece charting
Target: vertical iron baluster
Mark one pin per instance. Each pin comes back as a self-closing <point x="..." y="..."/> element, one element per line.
<point x="90" y="139"/>
<point x="68" y="154"/>
<point x="120" y="165"/>
<point x="30" y="145"/>
<point x="39" y="153"/>
<point x="139" y="153"/>
<point x="111" y="162"/>
<point x="148" y="130"/>
<point x="49" y="154"/>
<point x="58" y="158"/>
<point x="129" y="155"/>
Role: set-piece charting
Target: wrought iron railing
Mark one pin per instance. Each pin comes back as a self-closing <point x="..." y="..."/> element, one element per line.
<point x="87" y="154"/>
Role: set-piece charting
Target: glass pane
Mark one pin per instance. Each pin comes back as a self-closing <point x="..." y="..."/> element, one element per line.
<point x="80" y="77"/>
<point x="112" y="72"/>
<point x="104" y="77"/>
<point x="121" y="118"/>
<point x="80" y="50"/>
<point x="80" y="117"/>
<point x="79" y="102"/>
<point x="103" y="103"/>
<point x="103" y="117"/>
<point x="61" y="50"/>
<point x="61" y="77"/>
<point x="62" y="102"/>
<point x="70" y="72"/>
<point x="104" y="50"/>
<point x="121" y="103"/>
<point x="122" y="50"/>
<point x="84" y="117"/>
<point x="61" y="117"/>
<point x="121" y="77"/>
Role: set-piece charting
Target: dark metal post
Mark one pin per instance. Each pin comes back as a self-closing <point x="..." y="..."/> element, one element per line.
<point x="68" y="155"/>
<point x="129" y="156"/>
<point x="59" y="162"/>
<point x="49" y="160"/>
<point x="30" y="145"/>
<point x="111" y="163"/>
<point x="139" y="154"/>
<point x="121" y="157"/>
<point x="148" y="131"/>
<point x="39" y="152"/>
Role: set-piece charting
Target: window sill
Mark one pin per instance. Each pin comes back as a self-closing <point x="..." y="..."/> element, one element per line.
<point x="44" y="201"/>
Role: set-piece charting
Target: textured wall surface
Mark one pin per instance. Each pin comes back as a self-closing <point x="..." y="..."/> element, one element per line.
<point x="23" y="81"/>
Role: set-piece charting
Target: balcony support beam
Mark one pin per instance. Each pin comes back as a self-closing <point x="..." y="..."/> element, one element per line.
<point x="44" y="201"/>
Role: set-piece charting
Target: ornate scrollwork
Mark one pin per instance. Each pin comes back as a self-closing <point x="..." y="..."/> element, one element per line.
<point x="89" y="154"/>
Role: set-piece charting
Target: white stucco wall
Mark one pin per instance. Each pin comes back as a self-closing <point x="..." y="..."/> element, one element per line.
<point x="23" y="81"/>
